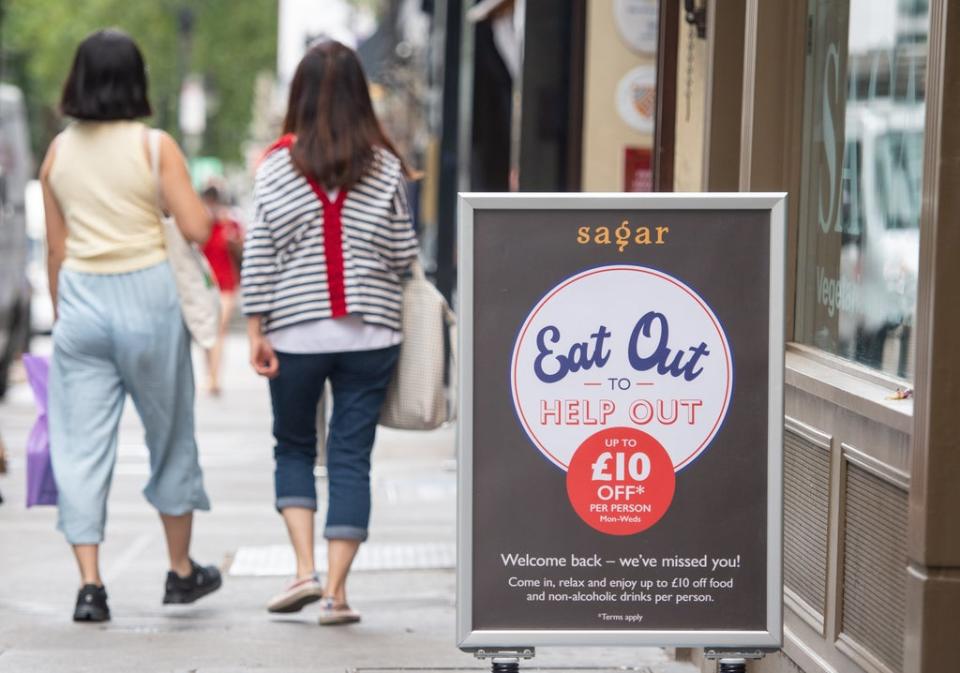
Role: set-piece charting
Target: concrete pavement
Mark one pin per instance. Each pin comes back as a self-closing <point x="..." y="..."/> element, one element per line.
<point x="408" y="615"/>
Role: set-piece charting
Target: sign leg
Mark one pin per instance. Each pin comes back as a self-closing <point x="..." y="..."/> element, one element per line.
<point x="505" y="665"/>
<point x="728" y="665"/>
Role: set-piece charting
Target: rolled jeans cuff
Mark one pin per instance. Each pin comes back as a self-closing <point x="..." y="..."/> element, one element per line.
<point x="345" y="533"/>
<point x="296" y="501"/>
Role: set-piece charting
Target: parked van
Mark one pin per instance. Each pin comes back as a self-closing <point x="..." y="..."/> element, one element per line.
<point x="883" y="167"/>
<point x="16" y="168"/>
<point x="41" y="307"/>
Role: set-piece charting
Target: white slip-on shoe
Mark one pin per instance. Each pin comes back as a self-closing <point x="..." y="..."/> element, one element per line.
<point x="332" y="614"/>
<point x="296" y="595"/>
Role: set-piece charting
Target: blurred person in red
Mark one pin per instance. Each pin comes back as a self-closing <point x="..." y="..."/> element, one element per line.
<point x="224" y="250"/>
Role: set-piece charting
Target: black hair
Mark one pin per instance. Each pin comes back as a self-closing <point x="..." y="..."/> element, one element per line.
<point x="108" y="79"/>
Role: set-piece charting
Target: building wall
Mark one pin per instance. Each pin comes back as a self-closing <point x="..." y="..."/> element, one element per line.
<point x="691" y="110"/>
<point x="606" y="136"/>
<point x="860" y="594"/>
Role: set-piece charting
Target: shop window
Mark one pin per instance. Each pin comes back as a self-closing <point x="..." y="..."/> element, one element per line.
<point x="861" y="191"/>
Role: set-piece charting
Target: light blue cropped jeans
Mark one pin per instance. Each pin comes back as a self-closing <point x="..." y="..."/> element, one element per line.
<point x="117" y="334"/>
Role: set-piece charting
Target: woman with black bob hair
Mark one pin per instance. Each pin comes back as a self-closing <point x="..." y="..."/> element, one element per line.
<point x="119" y="328"/>
<point x="322" y="264"/>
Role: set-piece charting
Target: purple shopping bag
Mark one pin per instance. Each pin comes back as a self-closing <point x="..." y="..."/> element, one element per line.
<point x="41" y="488"/>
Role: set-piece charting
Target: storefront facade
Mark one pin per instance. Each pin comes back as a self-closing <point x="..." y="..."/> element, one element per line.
<point x="846" y="105"/>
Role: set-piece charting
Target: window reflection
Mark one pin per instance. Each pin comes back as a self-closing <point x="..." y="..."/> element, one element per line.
<point x="860" y="224"/>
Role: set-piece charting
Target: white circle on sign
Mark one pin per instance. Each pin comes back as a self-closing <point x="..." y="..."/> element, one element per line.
<point x="637" y="98"/>
<point x="637" y="24"/>
<point x="621" y="346"/>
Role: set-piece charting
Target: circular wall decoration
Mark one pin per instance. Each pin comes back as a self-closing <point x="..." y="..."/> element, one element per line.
<point x="637" y="24"/>
<point x="637" y="98"/>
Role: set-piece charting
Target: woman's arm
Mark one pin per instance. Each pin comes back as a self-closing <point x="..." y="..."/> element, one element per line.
<point x="56" y="227"/>
<point x="403" y="248"/>
<point x="179" y="196"/>
<point x="258" y="277"/>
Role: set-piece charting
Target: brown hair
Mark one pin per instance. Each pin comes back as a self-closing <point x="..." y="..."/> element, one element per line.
<point x="332" y="117"/>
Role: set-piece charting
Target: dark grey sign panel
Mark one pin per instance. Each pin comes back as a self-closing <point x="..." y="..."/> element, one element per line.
<point x="620" y="420"/>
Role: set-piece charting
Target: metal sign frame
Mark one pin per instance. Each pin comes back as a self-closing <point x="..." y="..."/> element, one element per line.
<point x="469" y="638"/>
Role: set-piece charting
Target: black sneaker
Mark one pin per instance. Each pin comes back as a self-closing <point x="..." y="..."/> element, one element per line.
<point x="91" y="604"/>
<point x="201" y="581"/>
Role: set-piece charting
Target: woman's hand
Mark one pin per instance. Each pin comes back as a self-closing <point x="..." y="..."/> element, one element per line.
<point x="262" y="358"/>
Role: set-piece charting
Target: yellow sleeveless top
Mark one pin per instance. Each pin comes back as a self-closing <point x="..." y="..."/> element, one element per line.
<point x="103" y="182"/>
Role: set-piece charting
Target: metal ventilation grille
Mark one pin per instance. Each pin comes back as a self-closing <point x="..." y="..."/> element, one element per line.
<point x="806" y="511"/>
<point x="874" y="565"/>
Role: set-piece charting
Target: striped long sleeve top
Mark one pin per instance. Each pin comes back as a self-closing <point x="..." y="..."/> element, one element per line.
<point x="309" y="257"/>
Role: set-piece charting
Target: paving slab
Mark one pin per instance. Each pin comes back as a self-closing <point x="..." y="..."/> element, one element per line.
<point x="408" y="613"/>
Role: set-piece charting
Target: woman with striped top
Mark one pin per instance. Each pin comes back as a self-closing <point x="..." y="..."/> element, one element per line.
<point x="321" y="289"/>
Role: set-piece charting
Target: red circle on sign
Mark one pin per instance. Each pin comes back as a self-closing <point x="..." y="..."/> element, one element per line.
<point x="621" y="481"/>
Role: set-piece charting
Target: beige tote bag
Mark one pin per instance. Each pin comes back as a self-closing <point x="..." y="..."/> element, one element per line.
<point x="198" y="291"/>
<point x="417" y="398"/>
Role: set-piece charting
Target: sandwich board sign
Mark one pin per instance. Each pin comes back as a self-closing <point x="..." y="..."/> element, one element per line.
<point x="621" y="414"/>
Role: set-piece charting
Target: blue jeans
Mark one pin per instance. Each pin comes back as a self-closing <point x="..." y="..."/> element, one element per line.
<point x="359" y="380"/>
